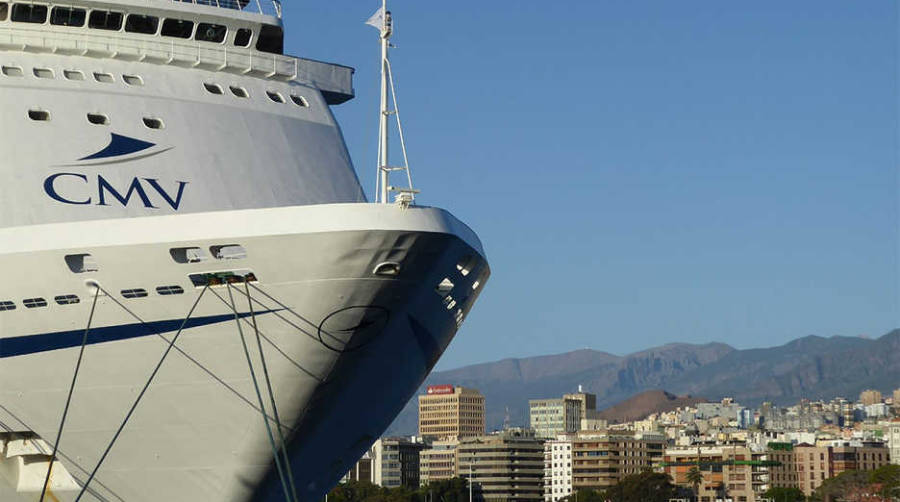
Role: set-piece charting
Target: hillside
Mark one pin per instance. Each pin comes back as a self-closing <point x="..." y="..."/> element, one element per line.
<point x="646" y="403"/>
<point x="812" y="367"/>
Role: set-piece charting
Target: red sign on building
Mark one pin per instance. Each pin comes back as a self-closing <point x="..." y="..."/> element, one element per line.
<point x="440" y="389"/>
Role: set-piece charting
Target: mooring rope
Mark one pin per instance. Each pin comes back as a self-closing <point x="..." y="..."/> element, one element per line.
<point x="62" y="420"/>
<point x="262" y="357"/>
<point x="182" y="352"/>
<point x="281" y="473"/>
<point x="140" y="395"/>
<point x="268" y="339"/>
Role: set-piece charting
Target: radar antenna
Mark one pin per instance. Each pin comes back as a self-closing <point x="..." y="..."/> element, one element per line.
<point x="383" y="21"/>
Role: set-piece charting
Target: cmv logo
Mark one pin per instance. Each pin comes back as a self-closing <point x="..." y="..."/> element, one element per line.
<point x="78" y="189"/>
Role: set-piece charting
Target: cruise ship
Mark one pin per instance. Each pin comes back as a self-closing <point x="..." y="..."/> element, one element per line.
<point x="200" y="303"/>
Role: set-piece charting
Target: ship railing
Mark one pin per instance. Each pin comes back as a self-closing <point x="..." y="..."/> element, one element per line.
<point x="166" y="52"/>
<point x="264" y="7"/>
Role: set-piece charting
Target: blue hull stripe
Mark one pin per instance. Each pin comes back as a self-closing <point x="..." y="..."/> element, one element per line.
<point x="32" y="344"/>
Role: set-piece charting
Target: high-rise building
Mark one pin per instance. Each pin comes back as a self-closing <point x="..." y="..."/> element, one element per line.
<point x="508" y="465"/>
<point x="438" y="461"/>
<point x="558" y="467"/>
<point x="870" y="396"/>
<point x="449" y="412"/>
<point x="552" y="417"/>
<point x="896" y="398"/>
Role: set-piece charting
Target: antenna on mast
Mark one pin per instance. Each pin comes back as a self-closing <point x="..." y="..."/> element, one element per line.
<point x="383" y="21"/>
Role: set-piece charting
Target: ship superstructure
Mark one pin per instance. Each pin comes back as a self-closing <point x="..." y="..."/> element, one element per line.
<point x="199" y="302"/>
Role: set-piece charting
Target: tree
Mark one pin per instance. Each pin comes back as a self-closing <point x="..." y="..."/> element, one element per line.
<point x="354" y="491"/>
<point x="841" y="486"/>
<point x="445" y="490"/>
<point x="782" y="494"/>
<point x="644" y="487"/>
<point x="887" y="480"/>
<point x="584" y="495"/>
<point x="694" y="477"/>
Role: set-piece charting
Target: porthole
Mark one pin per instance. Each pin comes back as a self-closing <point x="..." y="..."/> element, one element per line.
<point x="188" y="255"/>
<point x="134" y="293"/>
<point x="213" y="88"/>
<point x="444" y="287"/>
<point x="98" y="119"/>
<point x="177" y="28"/>
<point x="39" y="115"/>
<point x="169" y="290"/>
<point x="299" y="100"/>
<point x="105" y="20"/>
<point x="13" y="71"/>
<point x="29" y="13"/>
<point x="138" y="23"/>
<point x="275" y="96"/>
<point x="81" y="263"/>
<point x="7" y="305"/>
<point x="239" y="91"/>
<point x="133" y="80"/>
<point x="67" y="299"/>
<point x="42" y="72"/>
<point x="73" y="75"/>
<point x="207" y="32"/>
<point x="153" y="123"/>
<point x="242" y="37"/>
<point x="67" y="16"/>
<point x="105" y="78"/>
<point x="270" y="39"/>
<point x="466" y="264"/>
<point x="228" y="252"/>
<point x="388" y="268"/>
<point x="33" y="303"/>
<point x="4" y="11"/>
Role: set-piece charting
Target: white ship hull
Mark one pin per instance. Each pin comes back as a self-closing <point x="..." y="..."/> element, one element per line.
<point x="345" y="346"/>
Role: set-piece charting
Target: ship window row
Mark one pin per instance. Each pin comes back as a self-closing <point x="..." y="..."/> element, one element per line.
<point x="40" y="115"/>
<point x="269" y="39"/>
<point x="48" y="73"/>
<point x="39" y="302"/>
<point x="240" y="92"/>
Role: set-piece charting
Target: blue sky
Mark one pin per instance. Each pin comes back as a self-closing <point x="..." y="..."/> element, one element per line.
<point x="644" y="172"/>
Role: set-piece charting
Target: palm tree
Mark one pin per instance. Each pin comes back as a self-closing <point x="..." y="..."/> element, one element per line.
<point x="695" y="477"/>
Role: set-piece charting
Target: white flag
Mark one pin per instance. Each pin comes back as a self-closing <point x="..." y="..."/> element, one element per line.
<point x="377" y="19"/>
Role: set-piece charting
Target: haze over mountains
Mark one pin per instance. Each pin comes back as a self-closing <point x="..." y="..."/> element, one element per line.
<point x="812" y="367"/>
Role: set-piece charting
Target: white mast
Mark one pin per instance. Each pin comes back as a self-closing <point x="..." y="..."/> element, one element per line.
<point x="383" y="163"/>
<point x="405" y="196"/>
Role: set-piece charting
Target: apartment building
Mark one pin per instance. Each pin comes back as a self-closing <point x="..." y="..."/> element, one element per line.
<point x="729" y="472"/>
<point x="438" y="462"/>
<point x="807" y="466"/>
<point x="507" y="465"/>
<point x="558" y="467"/>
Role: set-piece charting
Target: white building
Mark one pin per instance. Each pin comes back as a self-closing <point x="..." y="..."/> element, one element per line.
<point x="892" y="434"/>
<point x="557" y="468"/>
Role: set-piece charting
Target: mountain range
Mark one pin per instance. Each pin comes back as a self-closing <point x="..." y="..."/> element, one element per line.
<point x="812" y="367"/>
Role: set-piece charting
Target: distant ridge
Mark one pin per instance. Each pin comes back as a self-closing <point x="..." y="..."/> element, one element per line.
<point x="646" y="403"/>
<point x="812" y="367"/>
